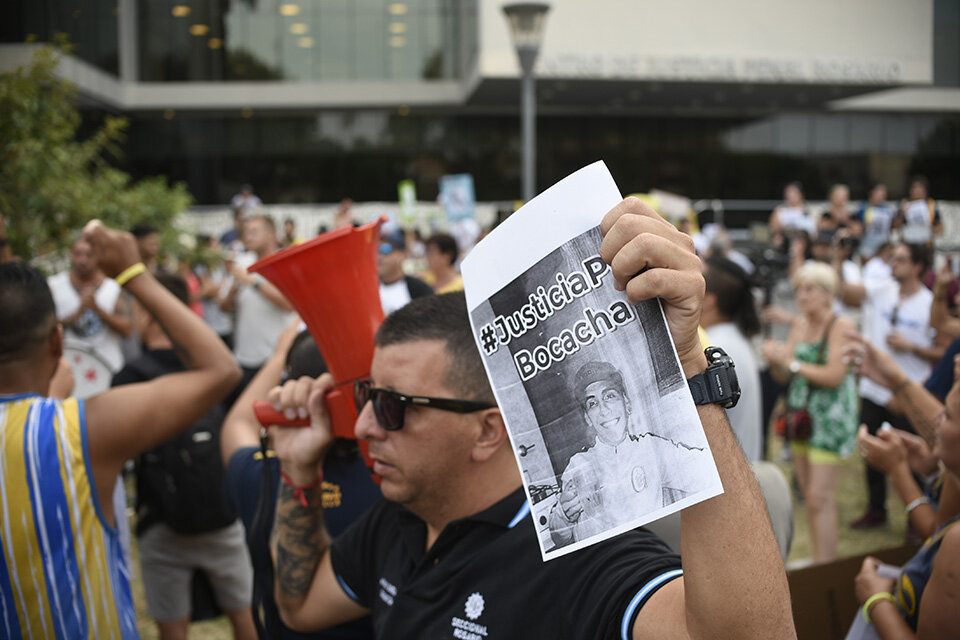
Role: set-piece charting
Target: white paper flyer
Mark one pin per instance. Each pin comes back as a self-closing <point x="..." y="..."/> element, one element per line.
<point x="599" y="414"/>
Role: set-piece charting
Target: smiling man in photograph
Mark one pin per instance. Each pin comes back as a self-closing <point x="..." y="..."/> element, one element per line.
<point x="626" y="473"/>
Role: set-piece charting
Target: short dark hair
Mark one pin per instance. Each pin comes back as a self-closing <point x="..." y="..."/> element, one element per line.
<point x="922" y="180"/>
<point x="442" y="317"/>
<point x="77" y="236"/>
<point x="732" y="286"/>
<point x="27" y="312"/>
<point x="303" y="358"/>
<point x="175" y="284"/>
<point x="445" y="244"/>
<point x="142" y="230"/>
<point x="920" y="254"/>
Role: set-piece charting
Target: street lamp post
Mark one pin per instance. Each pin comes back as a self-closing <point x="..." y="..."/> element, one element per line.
<point x="526" y="24"/>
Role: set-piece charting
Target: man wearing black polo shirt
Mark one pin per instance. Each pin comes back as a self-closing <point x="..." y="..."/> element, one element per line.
<point x="452" y="552"/>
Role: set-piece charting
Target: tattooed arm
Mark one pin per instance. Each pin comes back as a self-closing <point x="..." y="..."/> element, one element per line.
<point x="308" y="593"/>
<point x="300" y="540"/>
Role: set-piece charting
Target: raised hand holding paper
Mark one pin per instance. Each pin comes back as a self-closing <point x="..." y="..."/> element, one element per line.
<point x="599" y="413"/>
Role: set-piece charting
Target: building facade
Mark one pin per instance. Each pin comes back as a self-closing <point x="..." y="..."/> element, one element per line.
<point x="311" y="100"/>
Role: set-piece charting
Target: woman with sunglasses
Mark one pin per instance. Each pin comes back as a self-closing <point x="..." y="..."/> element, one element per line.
<point x="822" y="392"/>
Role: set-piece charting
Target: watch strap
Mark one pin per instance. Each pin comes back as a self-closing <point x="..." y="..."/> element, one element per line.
<point x="698" y="388"/>
<point x="718" y="383"/>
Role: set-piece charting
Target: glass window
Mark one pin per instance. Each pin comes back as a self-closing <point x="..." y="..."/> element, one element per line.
<point x="323" y="157"/>
<point x="754" y="136"/>
<point x="830" y="134"/>
<point x="866" y="133"/>
<point x="899" y="134"/>
<point x="90" y="26"/>
<point x="946" y="45"/>
<point x="333" y="40"/>
<point x="793" y="134"/>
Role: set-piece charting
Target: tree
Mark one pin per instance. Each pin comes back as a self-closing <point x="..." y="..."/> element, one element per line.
<point x="52" y="183"/>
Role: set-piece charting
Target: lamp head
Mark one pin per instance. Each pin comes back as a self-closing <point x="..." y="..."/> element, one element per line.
<point x="526" y="23"/>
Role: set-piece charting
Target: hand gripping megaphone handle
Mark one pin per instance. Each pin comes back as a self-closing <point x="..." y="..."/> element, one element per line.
<point x="339" y="405"/>
<point x="267" y="416"/>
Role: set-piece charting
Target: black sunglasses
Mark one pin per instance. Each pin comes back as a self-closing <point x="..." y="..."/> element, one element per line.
<point x="390" y="407"/>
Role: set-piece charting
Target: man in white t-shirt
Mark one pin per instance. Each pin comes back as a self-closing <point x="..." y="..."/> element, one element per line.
<point x="396" y="287"/>
<point x="90" y="307"/>
<point x="262" y="312"/>
<point x="878" y="267"/>
<point x="899" y="323"/>
<point x="730" y="319"/>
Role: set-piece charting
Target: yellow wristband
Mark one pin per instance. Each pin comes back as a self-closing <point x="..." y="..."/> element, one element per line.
<point x="130" y="273"/>
<point x="872" y="600"/>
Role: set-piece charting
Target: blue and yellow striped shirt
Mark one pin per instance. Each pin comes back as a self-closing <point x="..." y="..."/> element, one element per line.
<point x="62" y="569"/>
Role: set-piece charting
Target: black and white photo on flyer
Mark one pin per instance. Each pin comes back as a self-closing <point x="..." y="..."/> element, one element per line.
<point x="600" y="417"/>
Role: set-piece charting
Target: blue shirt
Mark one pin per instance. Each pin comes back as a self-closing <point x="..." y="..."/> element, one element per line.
<point x="941" y="379"/>
<point x="916" y="574"/>
<point x="348" y="491"/>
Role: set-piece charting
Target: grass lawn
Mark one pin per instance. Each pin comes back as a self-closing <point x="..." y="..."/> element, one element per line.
<point x="851" y="498"/>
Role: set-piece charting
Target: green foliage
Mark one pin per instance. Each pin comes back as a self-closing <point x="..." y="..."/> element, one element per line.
<point x="52" y="183"/>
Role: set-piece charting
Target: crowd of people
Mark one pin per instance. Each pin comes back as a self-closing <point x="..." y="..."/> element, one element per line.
<point x="285" y="526"/>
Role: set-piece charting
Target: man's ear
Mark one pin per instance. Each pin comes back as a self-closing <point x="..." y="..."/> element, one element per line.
<point x="55" y="342"/>
<point x="492" y="435"/>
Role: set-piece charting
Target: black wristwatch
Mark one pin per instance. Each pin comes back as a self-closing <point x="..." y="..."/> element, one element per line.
<point x="718" y="384"/>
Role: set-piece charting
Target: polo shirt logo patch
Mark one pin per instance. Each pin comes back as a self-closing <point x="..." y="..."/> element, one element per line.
<point x="474" y="606"/>
<point x="387" y="591"/>
<point x="465" y="629"/>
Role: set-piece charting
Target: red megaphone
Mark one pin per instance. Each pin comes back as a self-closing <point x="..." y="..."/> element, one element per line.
<point x="332" y="282"/>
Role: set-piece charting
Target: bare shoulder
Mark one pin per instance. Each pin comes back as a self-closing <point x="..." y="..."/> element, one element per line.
<point x="946" y="564"/>
<point x="951" y="541"/>
<point x="841" y="326"/>
<point x="798" y="327"/>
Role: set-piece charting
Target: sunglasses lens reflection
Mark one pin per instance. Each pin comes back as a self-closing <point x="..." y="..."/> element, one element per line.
<point x="389" y="411"/>
<point x="361" y="393"/>
<point x="387" y="408"/>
